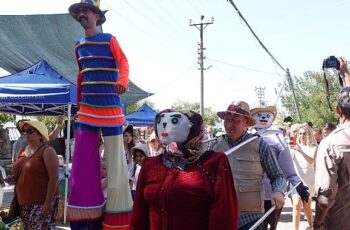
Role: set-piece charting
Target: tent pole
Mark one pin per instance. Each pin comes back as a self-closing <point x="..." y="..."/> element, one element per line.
<point x="66" y="175"/>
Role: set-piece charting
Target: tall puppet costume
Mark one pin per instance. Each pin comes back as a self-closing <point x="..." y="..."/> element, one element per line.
<point x="264" y="117"/>
<point x="103" y="71"/>
<point x="186" y="187"/>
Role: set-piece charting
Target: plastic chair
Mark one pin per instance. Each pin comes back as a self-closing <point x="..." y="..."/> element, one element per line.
<point x="7" y="187"/>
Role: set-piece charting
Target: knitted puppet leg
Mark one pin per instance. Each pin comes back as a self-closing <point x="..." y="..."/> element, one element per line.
<point x="119" y="201"/>
<point x="85" y="206"/>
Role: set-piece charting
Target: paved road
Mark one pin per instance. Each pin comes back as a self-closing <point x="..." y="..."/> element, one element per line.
<point x="284" y="224"/>
<point x="286" y="218"/>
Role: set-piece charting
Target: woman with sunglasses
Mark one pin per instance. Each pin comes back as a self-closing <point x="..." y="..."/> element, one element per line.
<point x="36" y="175"/>
<point x="304" y="155"/>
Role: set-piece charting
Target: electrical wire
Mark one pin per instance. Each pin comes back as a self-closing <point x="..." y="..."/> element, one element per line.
<point x="154" y="23"/>
<point x="280" y="92"/>
<point x="156" y="39"/>
<point x="243" y="67"/>
<point x="229" y="76"/>
<point x="173" y="19"/>
<point x="257" y="38"/>
<point x="181" y="75"/>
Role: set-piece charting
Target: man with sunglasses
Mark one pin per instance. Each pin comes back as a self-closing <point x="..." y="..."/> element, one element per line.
<point x="103" y="76"/>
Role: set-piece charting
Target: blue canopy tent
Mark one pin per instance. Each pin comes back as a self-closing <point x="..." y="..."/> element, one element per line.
<point x="144" y="116"/>
<point x="37" y="90"/>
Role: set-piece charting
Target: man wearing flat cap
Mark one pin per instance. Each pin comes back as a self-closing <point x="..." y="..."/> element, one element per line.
<point x="248" y="164"/>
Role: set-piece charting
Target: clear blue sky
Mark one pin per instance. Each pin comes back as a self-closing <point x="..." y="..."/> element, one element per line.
<point x="161" y="46"/>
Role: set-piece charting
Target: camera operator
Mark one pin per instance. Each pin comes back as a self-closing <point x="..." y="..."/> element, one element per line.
<point x="344" y="72"/>
<point x="332" y="171"/>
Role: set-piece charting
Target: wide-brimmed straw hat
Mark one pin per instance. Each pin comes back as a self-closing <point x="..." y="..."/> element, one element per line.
<point x="39" y="126"/>
<point x="271" y="109"/>
<point x="93" y="5"/>
<point x="239" y="108"/>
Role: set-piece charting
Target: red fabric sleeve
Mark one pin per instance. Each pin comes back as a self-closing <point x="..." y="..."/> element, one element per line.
<point x="140" y="215"/>
<point x="122" y="62"/>
<point x="224" y="214"/>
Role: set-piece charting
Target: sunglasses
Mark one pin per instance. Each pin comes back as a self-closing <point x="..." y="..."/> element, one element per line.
<point x="83" y="10"/>
<point x="28" y="131"/>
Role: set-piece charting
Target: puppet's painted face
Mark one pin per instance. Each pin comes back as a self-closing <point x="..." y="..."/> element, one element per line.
<point x="263" y="119"/>
<point x="173" y="127"/>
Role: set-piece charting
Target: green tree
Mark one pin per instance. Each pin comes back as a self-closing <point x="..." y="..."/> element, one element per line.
<point x="133" y="107"/>
<point x="311" y="96"/>
<point x="49" y="121"/>
<point x="4" y="117"/>
<point x="210" y="116"/>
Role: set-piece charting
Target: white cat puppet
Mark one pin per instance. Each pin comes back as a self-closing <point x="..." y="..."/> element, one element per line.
<point x="172" y="127"/>
<point x="181" y="133"/>
<point x="264" y="117"/>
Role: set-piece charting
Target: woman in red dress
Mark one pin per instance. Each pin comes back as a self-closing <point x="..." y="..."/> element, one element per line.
<point x="186" y="187"/>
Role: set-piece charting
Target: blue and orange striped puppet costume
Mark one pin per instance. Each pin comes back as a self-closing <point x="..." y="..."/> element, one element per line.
<point x="103" y="76"/>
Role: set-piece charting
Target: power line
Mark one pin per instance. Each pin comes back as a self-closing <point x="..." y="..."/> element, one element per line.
<point x="291" y="86"/>
<point x="230" y="77"/>
<point x="243" y="67"/>
<point x="288" y="76"/>
<point x="257" y="38"/>
<point x="182" y="74"/>
<point x="154" y="23"/>
<point x="174" y="20"/>
<point x="156" y="39"/>
<point x="280" y="92"/>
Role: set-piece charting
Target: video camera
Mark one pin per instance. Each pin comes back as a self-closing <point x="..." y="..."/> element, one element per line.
<point x="331" y="62"/>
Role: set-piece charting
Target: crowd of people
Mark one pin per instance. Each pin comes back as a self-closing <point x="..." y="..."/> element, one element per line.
<point x="258" y="170"/>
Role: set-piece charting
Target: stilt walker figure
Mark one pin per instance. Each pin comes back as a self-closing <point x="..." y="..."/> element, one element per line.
<point x="103" y="76"/>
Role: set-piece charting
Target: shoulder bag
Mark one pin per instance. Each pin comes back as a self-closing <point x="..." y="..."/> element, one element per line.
<point x="14" y="206"/>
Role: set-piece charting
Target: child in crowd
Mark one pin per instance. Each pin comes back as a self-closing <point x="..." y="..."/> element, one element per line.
<point x="156" y="146"/>
<point x="104" y="181"/>
<point x="139" y="152"/>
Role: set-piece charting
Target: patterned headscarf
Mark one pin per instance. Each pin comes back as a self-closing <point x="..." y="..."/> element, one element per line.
<point x="191" y="149"/>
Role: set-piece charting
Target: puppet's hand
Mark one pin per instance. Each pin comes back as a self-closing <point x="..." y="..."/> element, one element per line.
<point x="10" y="179"/>
<point x="120" y="89"/>
<point x="303" y="192"/>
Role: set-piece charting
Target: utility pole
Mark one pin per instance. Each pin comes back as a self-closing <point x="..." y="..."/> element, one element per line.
<point x="291" y="86"/>
<point x="201" y="26"/>
<point x="260" y="91"/>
